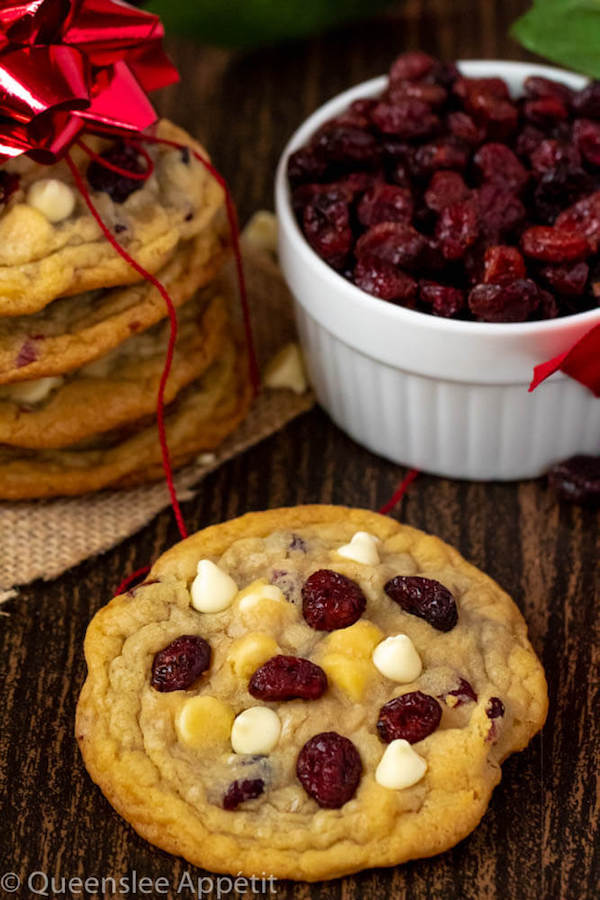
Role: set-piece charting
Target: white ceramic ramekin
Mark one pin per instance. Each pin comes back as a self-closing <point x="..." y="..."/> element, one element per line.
<point x="445" y="396"/>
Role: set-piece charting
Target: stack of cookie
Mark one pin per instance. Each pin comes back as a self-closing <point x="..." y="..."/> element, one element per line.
<point x="83" y="337"/>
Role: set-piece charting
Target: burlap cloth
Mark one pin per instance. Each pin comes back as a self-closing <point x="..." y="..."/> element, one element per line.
<point x="42" y="539"/>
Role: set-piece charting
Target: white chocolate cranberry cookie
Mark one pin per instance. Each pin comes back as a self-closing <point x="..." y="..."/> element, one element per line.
<point x="50" y="244"/>
<point x="199" y="419"/>
<point x="119" y="388"/>
<point x="306" y="693"/>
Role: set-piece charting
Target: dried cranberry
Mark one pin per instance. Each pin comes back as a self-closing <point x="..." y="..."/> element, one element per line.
<point x="326" y="224"/>
<point x="406" y="119"/>
<point x="527" y="140"/>
<point x="497" y="164"/>
<point x="9" y="183"/>
<point x="411" y="66"/>
<point x="494" y="87"/>
<point x="444" y="300"/>
<point x="383" y="280"/>
<point x="584" y="218"/>
<point x="548" y="306"/>
<point x="500" y="212"/>
<point x="385" y="203"/>
<point x="587" y="101"/>
<point x="554" y="244"/>
<point x="394" y="242"/>
<point x="514" y="301"/>
<point x="503" y="264"/>
<point x="411" y="717"/>
<point x="330" y="600"/>
<point x="545" y="110"/>
<point x="558" y="188"/>
<point x="288" y="678"/>
<point x="346" y="144"/>
<point x="457" y="228"/>
<point x="180" y="663"/>
<point x="425" y="598"/>
<point x="298" y="543"/>
<point x="537" y="86"/>
<point x="570" y="280"/>
<point x="329" y="769"/>
<point x="494" y="708"/>
<point x="117" y="186"/>
<point x="577" y="480"/>
<point x="464" y="693"/>
<point x="446" y="188"/>
<point x="586" y="135"/>
<point x="303" y="165"/>
<point x="550" y="153"/>
<point x="464" y="128"/>
<point x="28" y="353"/>
<point x="432" y="94"/>
<point x="241" y="790"/>
<point x="358" y="114"/>
<point x="446" y="153"/>
<point x="487" y="100"/>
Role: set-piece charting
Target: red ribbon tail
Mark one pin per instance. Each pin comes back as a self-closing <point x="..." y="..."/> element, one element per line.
<point x="399" y="492"/>
<point x="581" y="362"/>
<point x="546" y="369"/>
<point x="170" y="347"/>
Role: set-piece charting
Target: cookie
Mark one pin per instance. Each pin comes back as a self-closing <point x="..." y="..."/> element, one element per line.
<point x="305" y="693"/>
<point x="202" y="415"/>
<point x="118" y="388"/>
<point x="73" y="331"/>
<point x="50" y="244"/>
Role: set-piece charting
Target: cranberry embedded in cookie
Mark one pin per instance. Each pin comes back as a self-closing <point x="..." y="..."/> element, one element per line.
<point x="425" y="598"/>
<point x="288" y="678"/>
<point x="178" y="665"/>
<point x="462" y="693"/>
<point x="116" y="185"/>
<point x="239" y="791"/>
<point x="411" y="717"/>
<point x="329" y="769"/>
<point x="495" y="708"/>
<point x="331" y="600"/>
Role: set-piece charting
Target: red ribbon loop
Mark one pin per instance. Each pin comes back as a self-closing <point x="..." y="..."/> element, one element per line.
<point x="67" y="65"/>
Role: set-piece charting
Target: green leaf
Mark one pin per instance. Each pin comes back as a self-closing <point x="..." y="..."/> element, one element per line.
<point x="238" y="23"/>
<point x="565" y="31"/>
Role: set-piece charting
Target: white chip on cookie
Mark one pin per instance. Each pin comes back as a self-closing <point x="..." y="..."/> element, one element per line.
<point x="53" y="198"/>
<point x="396" y="657"/>
<point x="203" y="721"/>
<point x="258" y="593"/>
<point x="30" y="391"/>
<point x="400" y="766"/>
<point x="256" y="730"/>
<point x="361" y="549"/>
<point x="212" y="589"/>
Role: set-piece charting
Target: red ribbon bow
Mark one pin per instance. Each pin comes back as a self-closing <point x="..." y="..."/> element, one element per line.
<point x="69" y="64"/>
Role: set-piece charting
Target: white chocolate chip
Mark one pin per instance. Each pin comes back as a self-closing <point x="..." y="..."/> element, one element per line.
<point x="255" y="730"/>
<point x="264" y="592"/>
<point x="30" y="391"/>
<point x="397" y="659"/>
<point x="213" y="589"/>
<point x="261" y="232"/>
<point x="362" y="549"/>
<point x="286" y="370"/>
<point x="400" y="766"/>
<point x="53" y="198"/>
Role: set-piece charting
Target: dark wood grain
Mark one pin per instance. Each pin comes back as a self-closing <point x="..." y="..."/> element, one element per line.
<point x="539" y="838"/>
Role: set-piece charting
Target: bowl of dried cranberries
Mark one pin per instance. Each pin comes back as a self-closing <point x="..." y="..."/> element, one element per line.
<point x="439" y="229"/>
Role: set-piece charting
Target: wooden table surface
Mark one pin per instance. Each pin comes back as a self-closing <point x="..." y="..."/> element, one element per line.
<point x="539" y="836"/>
